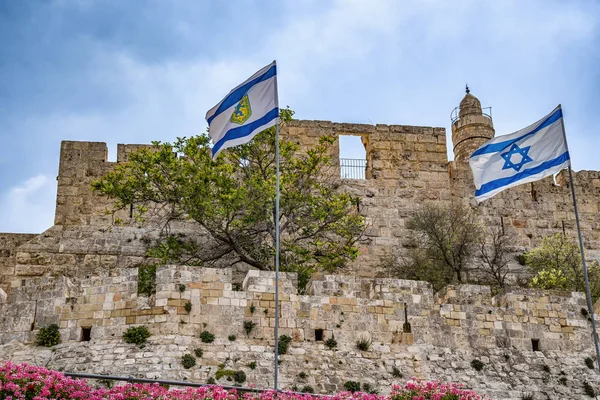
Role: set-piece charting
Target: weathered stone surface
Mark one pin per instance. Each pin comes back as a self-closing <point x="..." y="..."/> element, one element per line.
<point x="82" y="273"/>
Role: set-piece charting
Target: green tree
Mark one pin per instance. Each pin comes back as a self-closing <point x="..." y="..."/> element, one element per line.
<point x="444" y="242"/>
<point x="231" y="202"/>
<point x="556" y="264"/>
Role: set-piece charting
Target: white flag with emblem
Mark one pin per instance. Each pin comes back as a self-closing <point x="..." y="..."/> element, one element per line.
<point x="247" y="110"/>
<point x="525" y="156"/>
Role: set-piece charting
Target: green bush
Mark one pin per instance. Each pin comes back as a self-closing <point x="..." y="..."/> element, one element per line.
<point x="239" y="377"/>
<point x="136" y="335"/>
<point x="181" y="288"/>
<point x="207" y="337"/>
<point x="331" y="343"/>
<point x="363" y="344"/>
<point x="588" y="389"/>
<point x="477" y="365"/>
<point x="48" y="336"/>
<point x="563" y="380"/>
<point x="589" y="362"/>
<point x="231" y="338"/>
<point x="307" y="389"/>
<point x="211" y="381"/>
<point x="188" y="307"/>
<point x="352" y="386"/>
<point x="396" y="372"/>
<point x="249" y="326"/>
<point x="198" y="352"/>
<point x="146" y="279"/>
<point x="252" y="365"/>
<point x="188" y="361"/>
<point x="284" y="344"/>
<point x="546" y="369"/>
<point x="302" y="375"/>
<point x="367" y="388"/>
<point x="221" y="372"/>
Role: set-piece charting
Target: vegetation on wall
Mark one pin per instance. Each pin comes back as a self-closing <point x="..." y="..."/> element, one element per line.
<point x="231" y="200"/>
<point x="556" y="264"/>
<point x="136" y="335"/>
<point x="146" y="279"/>
<point x="283" y="344"/>
<point x="48" y="336"/>
<point x="207" y="337"/>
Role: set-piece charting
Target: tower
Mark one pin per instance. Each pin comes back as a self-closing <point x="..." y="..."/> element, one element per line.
<point x="471" y="127"/>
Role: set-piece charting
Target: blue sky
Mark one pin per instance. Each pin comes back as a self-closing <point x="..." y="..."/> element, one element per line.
<point x="135" y="71"/>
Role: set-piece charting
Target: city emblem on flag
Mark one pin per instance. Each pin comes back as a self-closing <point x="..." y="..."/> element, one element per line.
<point x="242" y="111"/>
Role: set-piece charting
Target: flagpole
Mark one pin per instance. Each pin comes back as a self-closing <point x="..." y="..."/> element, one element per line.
<point x="585" y="270"/>
<point x="276" y="245"/>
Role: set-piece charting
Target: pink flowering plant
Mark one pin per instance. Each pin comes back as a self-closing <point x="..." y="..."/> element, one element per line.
<point x="432" y="390"/>
<point x="28" y="382"/>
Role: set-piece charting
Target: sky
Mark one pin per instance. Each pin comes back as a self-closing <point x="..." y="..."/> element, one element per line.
<point x="136" y="71"/>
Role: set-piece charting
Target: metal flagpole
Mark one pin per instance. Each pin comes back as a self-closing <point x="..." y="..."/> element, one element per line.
<point x="585" y="270"/>
<point x="276" y="244"/>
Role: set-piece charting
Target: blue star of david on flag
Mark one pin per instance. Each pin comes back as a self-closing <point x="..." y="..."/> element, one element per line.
<point x="516" y="150"/>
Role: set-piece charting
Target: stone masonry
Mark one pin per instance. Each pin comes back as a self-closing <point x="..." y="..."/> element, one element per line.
<point x="82" y="274"/>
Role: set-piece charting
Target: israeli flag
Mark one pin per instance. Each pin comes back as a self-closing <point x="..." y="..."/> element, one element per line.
<point x="525" y="156"/>
<point x="247" y="110"/>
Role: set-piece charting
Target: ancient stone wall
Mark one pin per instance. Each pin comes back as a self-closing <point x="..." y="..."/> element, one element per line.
<point x="526" y="339"/>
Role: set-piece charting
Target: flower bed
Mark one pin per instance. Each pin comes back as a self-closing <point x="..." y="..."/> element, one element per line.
<point x="28" y="382"/>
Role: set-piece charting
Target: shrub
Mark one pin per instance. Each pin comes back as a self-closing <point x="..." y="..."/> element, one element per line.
<point x="563" y="380"/>
<point x="477" y="365"/>
<point x="146" y="279"/>
<point x="352" y="386"/>
<point x="367" y="388"/>
<point x="284" y="344"/>
<point x="589" y="362"/>
<point x="211" y="381"/>
<point x="252" y="365"/>
<point x="546" y="369"/>
<point x="331" y="343"/>
<point x="396" y="372"/>
<point x="207" y="337"/>
<point x="239" y="377"/>
<point x="221" y="372"/>
<point x="136" y="335"/>
<point x="188" y="361"/>
<point x="307" y="389"/>
<point x="48" y="336"/>
<point x="588" y="389"/>
<point x="249" y="326"/>
<point x="363" y="344"/>
<point x="302" y="375"/>
<point x="198" y="352"/>
<point x="188" y="307"/>
<point x="232" y="338"/>
<point x="584" y="311"/>
<point x="252" y="308"/>
<point x="181" y="288"/>
<point x="527" y="396"/>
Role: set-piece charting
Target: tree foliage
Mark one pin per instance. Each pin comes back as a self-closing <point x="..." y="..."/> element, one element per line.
<point x="444" y="241"/>
<point x="556" y="264"/>
<point x="493" y="257"/>
<point x="231" y="202"/>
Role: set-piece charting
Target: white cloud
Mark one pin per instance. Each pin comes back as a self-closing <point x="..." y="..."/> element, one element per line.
<point x="26" y="208"/>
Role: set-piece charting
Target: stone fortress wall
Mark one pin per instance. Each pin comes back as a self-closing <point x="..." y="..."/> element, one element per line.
<point x="82" y="273"/>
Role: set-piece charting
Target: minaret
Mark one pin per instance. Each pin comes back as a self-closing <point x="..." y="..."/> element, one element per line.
<point x="471" y="127"/>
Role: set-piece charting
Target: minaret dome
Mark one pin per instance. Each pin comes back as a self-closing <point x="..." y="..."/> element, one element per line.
<point x="471" y="127"/>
